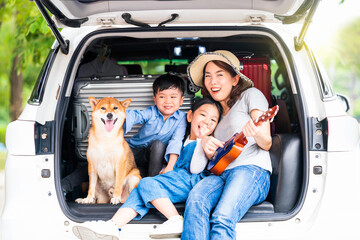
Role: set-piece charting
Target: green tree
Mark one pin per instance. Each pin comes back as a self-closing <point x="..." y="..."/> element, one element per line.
<point x="25" y="43"/>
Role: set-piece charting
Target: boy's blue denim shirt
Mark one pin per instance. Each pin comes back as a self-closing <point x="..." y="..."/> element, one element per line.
<point x="171" y="132"/>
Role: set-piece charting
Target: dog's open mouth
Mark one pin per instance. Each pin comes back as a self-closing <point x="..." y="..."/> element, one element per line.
<point x="109" y="124"/>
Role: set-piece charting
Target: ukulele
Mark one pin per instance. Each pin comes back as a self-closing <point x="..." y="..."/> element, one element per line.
<point x="233" y="147"/>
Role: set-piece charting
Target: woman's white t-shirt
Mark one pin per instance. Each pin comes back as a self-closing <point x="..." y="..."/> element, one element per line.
<point x="234" y="121"/>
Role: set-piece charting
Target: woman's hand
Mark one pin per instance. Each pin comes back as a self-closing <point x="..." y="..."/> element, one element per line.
<point x="260" y="133"/>
<point x="210" y="144"/>
<point x="250" y="129"/>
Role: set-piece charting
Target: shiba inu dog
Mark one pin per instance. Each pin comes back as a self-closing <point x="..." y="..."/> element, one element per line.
<point x="112" y="169"/>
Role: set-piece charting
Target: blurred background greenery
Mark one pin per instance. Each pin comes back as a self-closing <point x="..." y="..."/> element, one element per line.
<point x="25" y="42"/>
<point x="26" y="39"/>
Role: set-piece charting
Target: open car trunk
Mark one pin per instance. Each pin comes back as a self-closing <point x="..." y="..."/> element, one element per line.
<point x="127" y="64"/>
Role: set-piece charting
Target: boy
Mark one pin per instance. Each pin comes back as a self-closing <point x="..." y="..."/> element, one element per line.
<point x="163" y="127"/>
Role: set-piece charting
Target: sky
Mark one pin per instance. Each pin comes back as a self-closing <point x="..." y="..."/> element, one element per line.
<point x="329" y="18"/>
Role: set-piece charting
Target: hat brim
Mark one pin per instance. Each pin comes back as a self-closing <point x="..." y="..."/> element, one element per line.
<point x="196" y="68"/>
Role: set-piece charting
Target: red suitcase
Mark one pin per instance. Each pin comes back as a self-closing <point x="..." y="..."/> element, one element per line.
<point x="258" y="70"/>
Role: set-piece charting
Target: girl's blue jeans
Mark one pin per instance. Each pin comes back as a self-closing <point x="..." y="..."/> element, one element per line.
<point x="217" y="203"/>
<point x="174" y="185"/>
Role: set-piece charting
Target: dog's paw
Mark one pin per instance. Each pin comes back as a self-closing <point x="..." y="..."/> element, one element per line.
<point x="85" y="200"/>
<point x="115" y="200"/>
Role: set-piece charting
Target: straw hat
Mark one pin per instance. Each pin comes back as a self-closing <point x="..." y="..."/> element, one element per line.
<point x="196" y="68"/>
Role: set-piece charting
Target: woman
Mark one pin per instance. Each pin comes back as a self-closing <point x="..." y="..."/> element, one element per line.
<point x="217" y="203"/>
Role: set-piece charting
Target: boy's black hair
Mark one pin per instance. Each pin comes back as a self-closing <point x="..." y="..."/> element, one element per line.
<point x="168" y="81"/>
<point x="198" y="103"/>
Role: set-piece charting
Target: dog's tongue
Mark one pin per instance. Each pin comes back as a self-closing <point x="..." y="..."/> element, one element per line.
<point x="109" y="125"/>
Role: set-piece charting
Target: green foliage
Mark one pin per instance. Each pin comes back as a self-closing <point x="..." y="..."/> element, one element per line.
<point x="2" y="140"/>
<point x="2" y="132"/>
<point x="22" y="31"/>
<point x="2" y="160"/>
<point x="349" y="40"/>
<point x="33" y="39"/>
<point x="342" y="62"/>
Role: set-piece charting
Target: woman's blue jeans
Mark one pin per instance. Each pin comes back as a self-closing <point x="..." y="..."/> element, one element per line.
<point x="229" y="196"/>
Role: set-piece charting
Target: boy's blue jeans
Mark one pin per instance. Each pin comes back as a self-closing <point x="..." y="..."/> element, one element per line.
<point x="229" y="196"/>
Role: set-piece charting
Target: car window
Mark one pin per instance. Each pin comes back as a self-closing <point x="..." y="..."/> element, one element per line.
<point x="157" y="66"/>
<point x="324" y="83"/>
<point x="39" y="87"/>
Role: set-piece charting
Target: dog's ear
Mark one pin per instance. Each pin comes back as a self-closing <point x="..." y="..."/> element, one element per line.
<point x="126" y="103"/>
<point x="93" y="102"/>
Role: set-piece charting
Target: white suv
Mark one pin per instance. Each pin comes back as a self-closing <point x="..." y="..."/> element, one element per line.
<point x="117" y="48"/>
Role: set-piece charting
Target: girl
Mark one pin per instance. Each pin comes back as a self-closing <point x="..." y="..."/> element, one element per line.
<point x="217" y="203"/>
<point x="163" y="190"/>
